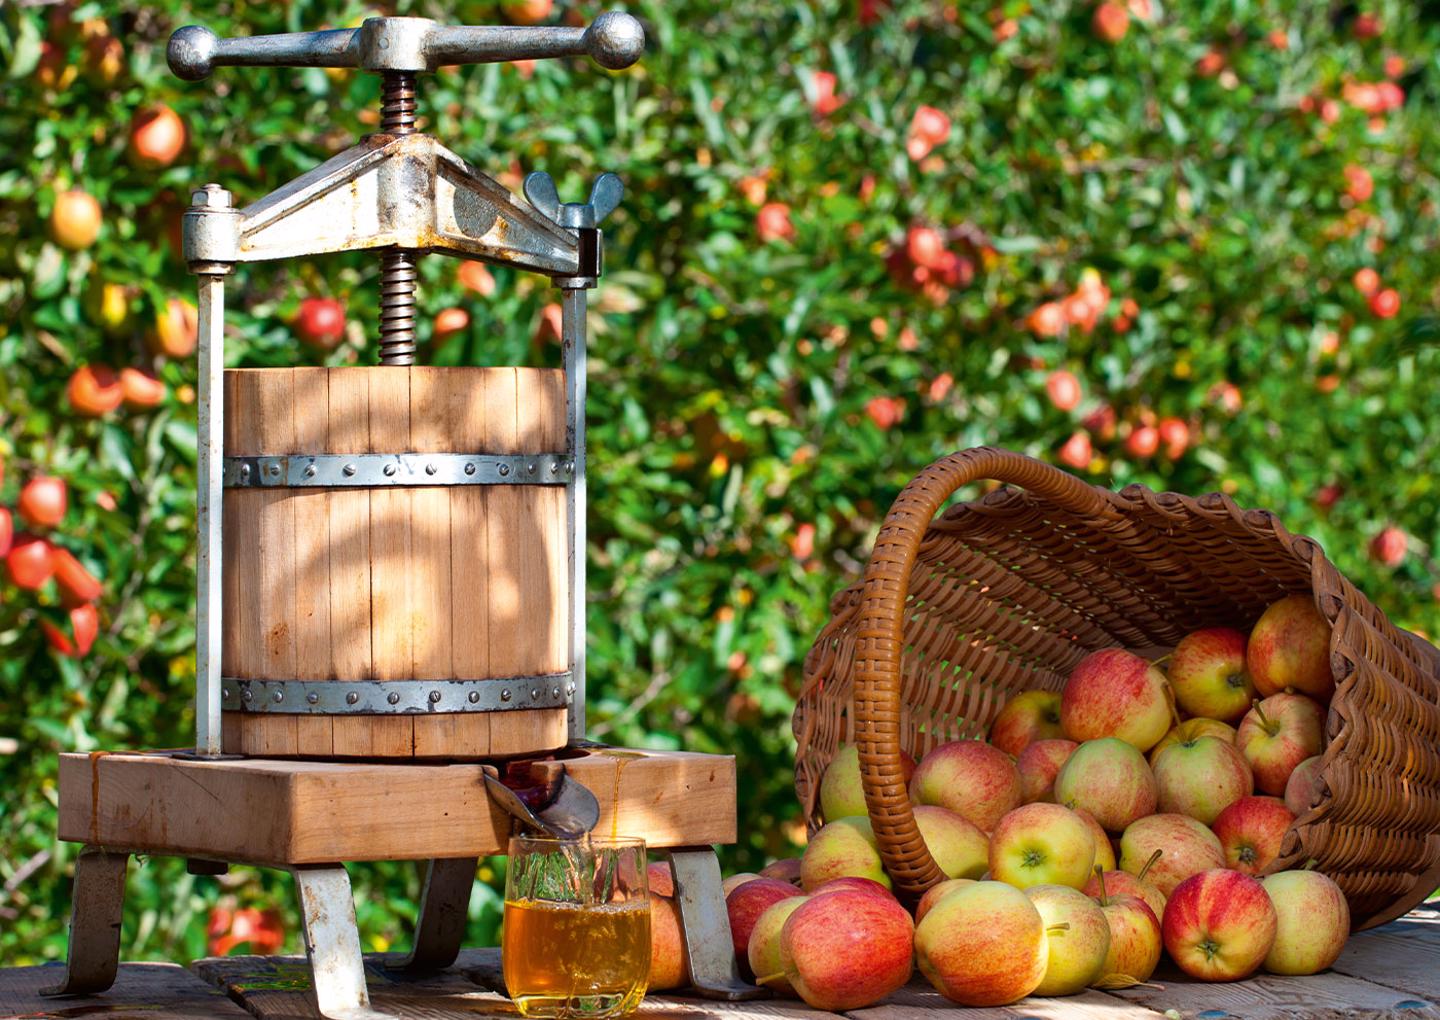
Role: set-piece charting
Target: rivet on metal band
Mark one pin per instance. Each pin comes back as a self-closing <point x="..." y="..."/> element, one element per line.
<point x="392" y="697"/>
<point x="357" y="470"/>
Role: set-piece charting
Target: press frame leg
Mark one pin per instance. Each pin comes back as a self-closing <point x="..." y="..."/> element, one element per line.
<point x="96" y="908"/>
<point x="705" y="926"/>
<point x="444" y="914"/>
<point x="332" y="943"/>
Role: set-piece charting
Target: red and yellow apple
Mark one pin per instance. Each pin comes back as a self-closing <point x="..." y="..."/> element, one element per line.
<point x="1122" y="883"/>
<point x="1219" y="925"/>
<point x="867" y="885"/>
<point x="786" y="869"/>
<point x="843" y="847"/>
<point x="1201" y="778"/>
<point x="936" y="893"/>
<point x="75" y="219"/>
<point x="983" y="945"/>
<point x="1277" y="735"/>
<point x="735" y="881"/>
<point x="841" y="794"/>
<point x="975" y="780"/>
<point x="847" y="950"/>
<point x="1312" y="922"/>
<point x="763" y="952"/>
<point x="959" y="847"/>
<point x="669" y="966"/>
<point x="1112" y="693"/>
<point x="745" y="905"/>
<point x="1042" y="844"/>
<point x="1026" y="718"/>
<point x="1208" y="674"/>
<point x="1135" y="943"/>
<point x="1104" y="852"/>
<point x="1038" y="765"/>
<point x="1302" y="789"/>
<point x="1078" y="936"/>
<point x="1108" y="778"/>
<point x="1289" y="649"/>
<point x="1250" y="831"/>
<point x="1189" y="730"/>
<point x="1186" y="848"/>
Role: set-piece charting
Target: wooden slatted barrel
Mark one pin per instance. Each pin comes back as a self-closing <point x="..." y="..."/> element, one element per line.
<point x="360" y="621"/>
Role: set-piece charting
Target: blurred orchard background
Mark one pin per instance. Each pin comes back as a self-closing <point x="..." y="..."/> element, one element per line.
<point x="1188" y="244"/>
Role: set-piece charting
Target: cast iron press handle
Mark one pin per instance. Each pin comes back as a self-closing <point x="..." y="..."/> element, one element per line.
<point x="613" y="40"/>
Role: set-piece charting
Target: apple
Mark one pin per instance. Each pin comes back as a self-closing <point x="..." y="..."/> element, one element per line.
<point x="1385" y="304"/>
<point x="868" y="885"/>
<point x="449" y="322"/>
<point x="75" y="220"/>
<point x="1219" y="925"/>
<point x="1026" y="718"/>
<point x="1290" y="648"/>
<point x="1078" y="936"/>
<point x="1175" y="435"/>
<point x="975" y="780"/>
<point x="924" y="246"/>
<point x="141" y="389"/>
<point x="847" y="950"/>
<point x="1388" y="547"/>
<point x="1063" y="389"/>
<point x="1312" y="922"/>
<point x="1122" y="883"/>
<point x="772" y="222"/>
<point x="1208" y="675"/>
<point x="1112" y="693"/>
<point x="1104" y="852"/>
<point x="745" y="905"/>
<point x="1201" y="778"/>
<point x="1042" y="844"/>
<point x="1110" y="779"/>
<point x="177" y="329"/>
<point x="1187" y="848"/>
<point x="938" y="892"/>
<point x="1038" y="765"/>
<point x="1135" y="943"/>
<point x="841" y="793"/>
<point x="660" y="879"/>
<point x="1111" y="21"/>
<point x="1277" y="735"/>
<point x="1250" y="831"/>
<point x="474" y="276"/>
<point x="43" y="501"/>
<point x="1189" y="730"/>
<point x="108" y="304"/>
<point x="960" y="849"/>
<point x="1366" y="280"/>
<point x="669" y="967"/>
<point x="1142" y="442"/>
<point x="7" y="531"/>
<point x="735" y="881"/>
<point x="763" y="952"/>
<point x="1302" y="789"/>
<point x="93" y="391"/>
<point x="84" y="625"/>
<point x="320" y="323"/>
<point x="786" y="869"/>
<point x="1077" y="451"/>
<point x="77" y="585"/>
<point x="983" y="945"/>
<point x="526" y="12"/>
<point x="845" y="846"/>
<point x="157" y="137"/>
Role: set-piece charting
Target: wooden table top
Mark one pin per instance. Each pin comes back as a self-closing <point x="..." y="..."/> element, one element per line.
<point x="1393" y="971"/>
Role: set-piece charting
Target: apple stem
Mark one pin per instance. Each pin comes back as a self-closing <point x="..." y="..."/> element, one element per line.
<point x="1148" y="865"/>
<point x="1100" y="874"/>
<point x="1311" y="864"/>
<point x="1156" y="662"/>
<point x="1170" y="700"/>
<point x="769" y="977"/>
<point x="1260" y="713"/>
<point x="1062" y="926"/>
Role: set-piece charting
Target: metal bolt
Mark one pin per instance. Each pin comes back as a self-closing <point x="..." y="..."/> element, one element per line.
<point x="474" y="697"/>
<point x="469" y="469"/>
<point x="211" y="196"/>
<point x="569" y="467"/>
<point x="246" y="695"/>
<point x="394" y="698"/>
<point x="532" y="467"/>
<point x="274" y="469"/>
<point x="570" y="690"/>
<point x="313" y="698"/>
<point x="351" y="698"/>
<point x="504" y="470"/>
<point x="434" y="697"/>
<point x="309" y="470"/>
<point x="389" y="470"/>
<point x="534" y="693"/>
<point x="279" y="697"/>
<point x="348" y="471"/>
<point x="554" y="692"/>
<point x="505" y="694"/>
<point x="554" y="467"/>
<point x="430" y="469"/>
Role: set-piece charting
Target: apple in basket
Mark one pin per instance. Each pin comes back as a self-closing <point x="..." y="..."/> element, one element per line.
<point x="1026" y="718"/>
<point x="1109" y="779"/>
<point x="1189" y="730"/>
<point x="1219" y="925"/>
<point x="843" y="847"/>
<point x="1251" y="830"/>
<point x="983" y="945"/>
<point x="1277" y="735"/>
<point x="745" y="905"/>
<point x="1038" y="765"/>
<point x="848" y="949"/>
<point x="1113" y="693"/>
<point x="763" y="952"/>
<point x="1209" y="676"/>
<point x="1289" y="649"/>
<point x="841" y="793"/>
<point x="1078" y="936"/>
<point x="960" y="849"/>
<point x="975" y="780"/>
<point x="1302" y="789"/>
<point x="1186" y="848"/>
<point x="1135" y="942"/>
<point x="1201" y="778"/>
<point x="1042" y="844"/>
<point x="1313" y="921"/>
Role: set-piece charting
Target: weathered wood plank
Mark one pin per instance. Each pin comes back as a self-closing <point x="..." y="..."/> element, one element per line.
<point x="154" y="991"/>
<point x="1404" y="955"/>
<point x="920" y="1001"/>
<point x="314" y="734"/>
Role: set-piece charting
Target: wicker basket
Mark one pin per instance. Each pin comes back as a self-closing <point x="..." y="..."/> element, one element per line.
<point x="957" y="614"/>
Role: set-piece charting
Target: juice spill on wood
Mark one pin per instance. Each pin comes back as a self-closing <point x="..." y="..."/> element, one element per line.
<point x="571" y="960"/>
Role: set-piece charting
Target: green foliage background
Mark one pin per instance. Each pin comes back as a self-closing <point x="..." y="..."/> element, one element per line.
<point x="730" y="376"/>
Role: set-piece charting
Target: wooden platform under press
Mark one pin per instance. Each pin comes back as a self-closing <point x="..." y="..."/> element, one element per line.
<point x="1392" y="971"/>
<point x="265" y="811"/>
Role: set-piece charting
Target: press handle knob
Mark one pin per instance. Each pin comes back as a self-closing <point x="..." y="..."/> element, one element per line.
<point x="605" y="195"/>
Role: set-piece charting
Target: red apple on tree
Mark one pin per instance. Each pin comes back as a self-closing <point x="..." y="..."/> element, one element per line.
<point x="772" y="222"/>
<point x="1201" y="778"/>
<point x="1277" y="735"/>
<point x="1026" y="718"/>
<point x="977" y="781"/>
<point x="1388" y="547"/>
<point x="29" y="562"/>
<point x="1312" y="922"/>
<point x="847" y="950"/>
<point x="1112" y="693"/>
<point x="1109" y="779"/>
<point x="75" y="220"/>
<point x="1187" y="848"/>
<point x="1063" y="389"/>
<point x="7" y="531"/>
<point x="1077" y="451"/>
<point x="93" y="391"/>
<point x="983" y="945"/>
<point x="1111" y="21"/>
<point x="1385" y="304"/>
<point x="925" y="246"/>
<point x="77" y="585"/>
<point x="1042" y="844"/>
<point x="1250" y="831"/>
<point x="157" y="137"/>
<point x="1302" y="789"/>
<point x="1366" y="280"/>
<point x="1219" y="925"/>
<point x="320" y="323"/>
<point x="1208" y="674"/>
<point x="1290" y="648"/>
<point x="141" y="389"/>
<point x="43" y="501"/>
<point x="1142" y="442"/>
<point x="1038" y="765"/>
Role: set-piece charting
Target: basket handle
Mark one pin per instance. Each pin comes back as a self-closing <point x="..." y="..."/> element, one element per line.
<point x="880" y="636"/>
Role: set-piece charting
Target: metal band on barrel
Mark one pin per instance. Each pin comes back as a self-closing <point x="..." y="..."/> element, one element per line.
<point x="396" y="697"/>
<point x="371" y="470"/>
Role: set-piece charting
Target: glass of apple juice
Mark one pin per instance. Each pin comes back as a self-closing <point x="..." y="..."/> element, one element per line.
<point x="576" y="936"/>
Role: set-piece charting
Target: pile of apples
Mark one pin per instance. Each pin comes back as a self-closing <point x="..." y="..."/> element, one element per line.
<point x="1073" y="859"/>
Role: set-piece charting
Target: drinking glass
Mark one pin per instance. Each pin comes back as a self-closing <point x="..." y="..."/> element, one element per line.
<point x="576" y="937"/>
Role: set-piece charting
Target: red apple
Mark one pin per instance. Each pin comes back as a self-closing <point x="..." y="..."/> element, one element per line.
<point x="1302" y="789"/>
<point x="157" y="137"/>
<point x="1187" y="848"/>
<point x="1078" y="935"/>
<point x="1112" y="693"/>
<point x="1111" y="21"/>
<point x="43" y="501"/>
<point x="474" y="276"/>
<point x="975" y="780"/>
<point x="1250" y="831"/>
<point x="841" y="793"/>
<point x="1104" y="850"/>
<point x="1312" y="922"/>
<point x="320" y="323"/>
<point x="1038" y="765"/>
<point x="1277" y="735"/>
<point x="1109" y="779"/>
<point x="1201" y="778"/>
<point x="1142" y="442"/>
<point x="868" y="885"/>
<point x="1191" y="729"/>
<point x="176" y="331"/>
<point x="1366" y="280"/>
<point x="924" y="246"/>
<point x="936" y="893"/>
<point x="526" y="12"/>
<point x="845" y="846"/>
<point x="958" y="846"/>
<point x="29" y="562"/>
<point x="735" y="881"/>
<point x="1219" y="925"/>
<point x="141" y="389"/>
<point x="1121" y="883"/>
<point x="772" y="222"/>
<point x="786" y="869"/>
<point x="1174" y="436"/>
<point x="983" y="945"/>
<point x="1207" y="672"/>
<point x="75" y="220"/>
<point x="1026" y="718"/>
<point x="449" y="322"/>
<point x="7" y="531"/>
<point x="669" y="967"/>
<point x="93" y="391"/>
<point x="84" y="627"/>
<point x="747" y="903"/>
<point x="1042" y="844"/>
<point x="1388" y="547"/>
<point x="1290" y="648"/>
<point x="77" y="585"/>
<point x="847" y="950"/>
<point x="763" y="953"/>
<point x="1063" y="389"/>
<point x="1048" y="320"/>
<point x="1134" y="941"/>
<point x="1385" y="304"/>
<point x="1077" y="451"/>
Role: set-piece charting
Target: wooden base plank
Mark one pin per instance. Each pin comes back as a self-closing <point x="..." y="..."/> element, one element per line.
<point x="1404" y="955"/>
<point x="270" y="811"/>
<point x="920" y="1001"/>
<point x="154" y="991"/>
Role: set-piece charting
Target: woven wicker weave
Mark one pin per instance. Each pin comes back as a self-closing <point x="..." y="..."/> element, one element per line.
<point x="957" y="614"/>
